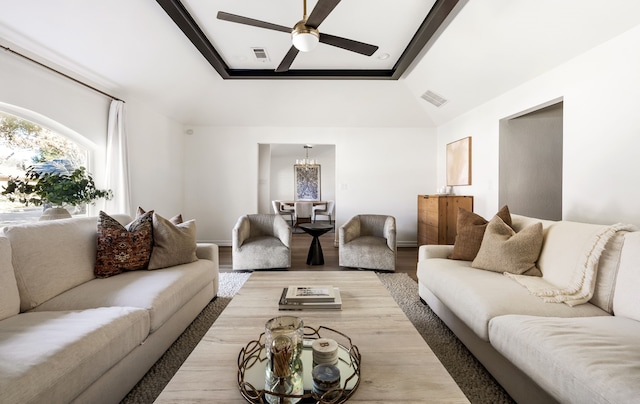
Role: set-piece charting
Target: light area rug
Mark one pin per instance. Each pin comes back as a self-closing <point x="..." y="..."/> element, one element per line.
<point x="476" y="383"/>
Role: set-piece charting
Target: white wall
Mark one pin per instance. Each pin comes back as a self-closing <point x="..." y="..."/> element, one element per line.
<point x="156" y="160"/>
<point x="378" y="170"/>
<point x="601" y="93"/>
<point x="27" y="86"/>
<point x="155" y="142"/>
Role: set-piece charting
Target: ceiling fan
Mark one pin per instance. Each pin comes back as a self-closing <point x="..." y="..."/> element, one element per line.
<point x="305" y="35"/>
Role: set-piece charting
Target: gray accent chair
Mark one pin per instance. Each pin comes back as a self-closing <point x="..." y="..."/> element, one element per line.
<point x="261" y="241"/>
<point x="368" y="242"/>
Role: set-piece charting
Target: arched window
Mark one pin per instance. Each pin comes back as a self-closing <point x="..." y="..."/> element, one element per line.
<point x="30" y="140"/>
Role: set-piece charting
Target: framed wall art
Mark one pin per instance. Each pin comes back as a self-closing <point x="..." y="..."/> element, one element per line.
<point x="307" y="182"/>
<point x="459" y="162"/>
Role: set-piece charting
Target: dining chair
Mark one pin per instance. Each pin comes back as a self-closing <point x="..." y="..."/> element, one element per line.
<point x="324" y="210"/>
<point x="303" y="212"/>
<point x="278" y="209"/>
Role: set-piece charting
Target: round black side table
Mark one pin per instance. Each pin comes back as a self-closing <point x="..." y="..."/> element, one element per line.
<point x="315" y="256"/>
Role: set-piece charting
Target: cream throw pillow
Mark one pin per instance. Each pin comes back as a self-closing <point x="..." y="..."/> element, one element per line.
<point x="504" y="250"/>
<point x="173" y="244"/>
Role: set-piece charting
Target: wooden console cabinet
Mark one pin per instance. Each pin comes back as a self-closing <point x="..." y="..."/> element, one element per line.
<point x="437" y="217"/>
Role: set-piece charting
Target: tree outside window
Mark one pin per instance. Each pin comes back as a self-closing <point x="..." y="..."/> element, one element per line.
<point x="25" y="144"/>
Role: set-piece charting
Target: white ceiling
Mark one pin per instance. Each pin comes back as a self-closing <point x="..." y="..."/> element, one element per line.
<point x="133" y="50"/>
<point x="360" y="20"/>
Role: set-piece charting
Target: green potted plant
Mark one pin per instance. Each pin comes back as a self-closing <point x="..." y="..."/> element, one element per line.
<point x="54" y="191"/>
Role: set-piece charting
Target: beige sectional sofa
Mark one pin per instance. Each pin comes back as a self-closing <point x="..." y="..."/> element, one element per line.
<point x="570" y="336"/>
<point x="67" y="336"/>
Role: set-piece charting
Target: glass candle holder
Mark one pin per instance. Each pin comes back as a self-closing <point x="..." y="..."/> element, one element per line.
<point x="284" y="337"/>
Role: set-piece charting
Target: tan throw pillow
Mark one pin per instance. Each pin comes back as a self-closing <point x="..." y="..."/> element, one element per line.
<point x="173" y="244"/>
<point x="469" y="232"/>
<point x="504" y="250"/>
<point x="123" y="248"/>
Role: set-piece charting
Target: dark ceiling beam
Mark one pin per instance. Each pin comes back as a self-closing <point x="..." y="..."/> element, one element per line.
<point x="436" y="17"/>
<point x="190" y="28"/>
<point x="181" y="17"/>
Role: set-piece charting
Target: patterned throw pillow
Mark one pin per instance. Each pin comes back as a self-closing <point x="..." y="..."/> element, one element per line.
<point x="123" y="248"/>
<point x="470" y="230"/>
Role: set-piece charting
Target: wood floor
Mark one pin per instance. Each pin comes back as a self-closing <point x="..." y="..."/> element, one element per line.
<point x="406" y="261"/>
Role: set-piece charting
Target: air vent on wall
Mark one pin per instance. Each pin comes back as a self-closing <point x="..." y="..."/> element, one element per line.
<point x="260" y="54"/>
<point x="434" y="98"/>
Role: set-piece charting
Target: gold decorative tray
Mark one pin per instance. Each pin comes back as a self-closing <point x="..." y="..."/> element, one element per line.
<point x="252" y="362"/>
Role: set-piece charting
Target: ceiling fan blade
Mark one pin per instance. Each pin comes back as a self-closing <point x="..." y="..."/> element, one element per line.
<point x="250" y="21"/>
<point x="320" y="12"/>
<point x="348" y="44"/>
<point x="288" y="60"/>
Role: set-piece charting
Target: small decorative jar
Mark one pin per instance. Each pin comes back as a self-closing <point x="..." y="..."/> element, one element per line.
<point x="326" y="381"/>
<point x="325" y="351"/>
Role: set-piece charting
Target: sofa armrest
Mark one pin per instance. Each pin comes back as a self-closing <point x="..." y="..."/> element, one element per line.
<point x="207" y="251"/>
<point x="434" y="251"/>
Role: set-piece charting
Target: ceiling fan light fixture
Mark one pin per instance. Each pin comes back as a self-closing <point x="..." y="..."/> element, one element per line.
<point x="304" y="38"/>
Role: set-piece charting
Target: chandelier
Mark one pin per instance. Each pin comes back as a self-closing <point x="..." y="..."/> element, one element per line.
<point x="306" y="162"/>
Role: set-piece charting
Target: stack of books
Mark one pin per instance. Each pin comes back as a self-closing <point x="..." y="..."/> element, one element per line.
<point x="324" y="297"/>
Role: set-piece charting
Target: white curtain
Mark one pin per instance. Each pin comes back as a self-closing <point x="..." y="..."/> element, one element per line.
<point x="117" y="171"/>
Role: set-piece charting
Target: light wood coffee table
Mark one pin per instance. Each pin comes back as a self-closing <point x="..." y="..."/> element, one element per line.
<point x="397" y="365"/>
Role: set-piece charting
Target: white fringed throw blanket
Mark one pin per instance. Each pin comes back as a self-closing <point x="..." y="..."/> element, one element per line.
<point x="579" y="285"/>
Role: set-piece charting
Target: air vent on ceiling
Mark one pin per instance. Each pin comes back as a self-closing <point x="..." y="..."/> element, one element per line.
<point x="260" y="54"/>
<point x="434" y="98"/>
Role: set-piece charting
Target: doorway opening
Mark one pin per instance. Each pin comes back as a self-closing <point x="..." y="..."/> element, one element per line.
<point x="276" y="176"/>
<point x="530" y="173"/>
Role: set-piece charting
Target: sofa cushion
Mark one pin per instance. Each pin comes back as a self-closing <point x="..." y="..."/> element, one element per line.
<point x="173" y="244"/>
<point x="504" y="250"/>
<point x="626" y="300"/>
<point x="577" y="360"/>
<point x="162" y="293"/>
<point x="470" y="231"/>
<point x="49" y="244"/>
<point x="52" y="356"/>
<point x="123" y="248"/>
<point x="9" y="297"/>
<point x="476" y="296"/>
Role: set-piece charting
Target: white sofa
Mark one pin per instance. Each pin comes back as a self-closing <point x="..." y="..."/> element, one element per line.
<point x="542" y="351"/>
<point x="67" y="336"/>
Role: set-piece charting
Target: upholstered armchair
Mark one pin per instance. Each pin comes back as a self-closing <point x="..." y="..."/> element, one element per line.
<point x="369" y="242"/>
<point x="261" y="241"/>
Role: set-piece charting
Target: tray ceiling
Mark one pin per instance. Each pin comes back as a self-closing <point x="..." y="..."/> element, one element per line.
<point x="400" y="30"/>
